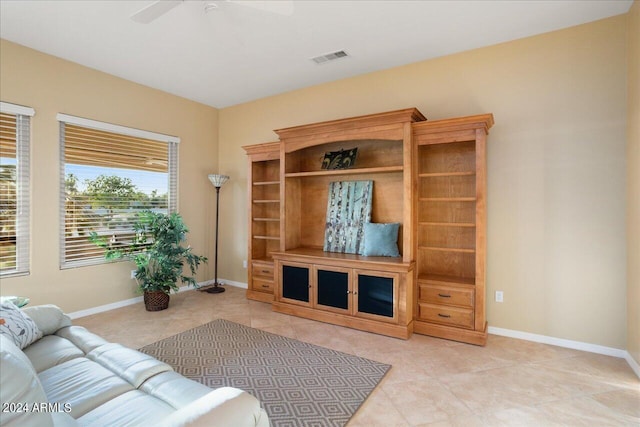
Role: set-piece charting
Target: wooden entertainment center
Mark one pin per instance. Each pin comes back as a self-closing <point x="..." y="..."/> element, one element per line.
<point x="429" y="176"/>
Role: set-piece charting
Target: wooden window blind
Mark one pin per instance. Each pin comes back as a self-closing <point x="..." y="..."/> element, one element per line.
<point x="109" y="174"/>
<point x="15" y="136"/>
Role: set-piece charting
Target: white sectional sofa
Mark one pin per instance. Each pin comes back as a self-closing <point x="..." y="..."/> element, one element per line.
<point x="72" y="377"/>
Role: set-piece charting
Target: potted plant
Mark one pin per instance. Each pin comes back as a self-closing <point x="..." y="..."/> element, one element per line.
<point x="159" y="255"/>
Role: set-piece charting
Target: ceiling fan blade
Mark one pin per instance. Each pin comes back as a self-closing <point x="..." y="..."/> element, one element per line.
<point x="154" y="10"/>
<point x="280" y="7"/>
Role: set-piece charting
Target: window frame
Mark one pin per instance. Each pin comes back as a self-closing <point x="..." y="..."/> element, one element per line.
<point x="23" y="191"/>
<point x="172" y="173"/>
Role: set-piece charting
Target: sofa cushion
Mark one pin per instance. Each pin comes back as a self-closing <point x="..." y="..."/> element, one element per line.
<point x="49" y="318"/>
<point x="62" y="419"/>
<point x="17" y="326"/>
<point x="50" y="351"/>
<point x="134" y="408"/>
<point x="83" y="384"/>
<point x="222" y="407"/>
<point x="19" y="385"/>
<point x="81" y="338"/>
<point x="174" y="389"/>
<point x="129" y="364"/>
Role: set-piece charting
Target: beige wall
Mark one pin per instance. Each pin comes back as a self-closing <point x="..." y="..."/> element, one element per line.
<point x="51" y="85"/>
<point x="556" y="197"/>
<point x="633" y="183"/>
<point x="556" y="238"/>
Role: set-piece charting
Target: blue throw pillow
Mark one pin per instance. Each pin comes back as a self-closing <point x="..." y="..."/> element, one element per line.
<point x="381" y="239"/>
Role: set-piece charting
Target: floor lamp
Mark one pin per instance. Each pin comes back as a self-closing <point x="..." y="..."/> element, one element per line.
<point x="218" y="181"/>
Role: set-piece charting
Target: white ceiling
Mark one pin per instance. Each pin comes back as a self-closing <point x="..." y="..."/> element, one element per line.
<point x="237" y="54"/>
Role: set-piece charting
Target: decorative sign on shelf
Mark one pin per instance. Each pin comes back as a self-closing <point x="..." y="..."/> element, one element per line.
<point x="340" y="159"/>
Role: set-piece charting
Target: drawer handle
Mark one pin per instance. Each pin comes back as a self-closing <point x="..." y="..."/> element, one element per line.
<point x="444" y="296"/>
<point x="444" y="315"/>
<point x="264" y="271"/>
<point x="265" y="286"/>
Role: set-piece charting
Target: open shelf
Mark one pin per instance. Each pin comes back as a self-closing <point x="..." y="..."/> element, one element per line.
<point x="319" y="253"/>
<point x="354" y="171"/>
<point x="441" y="211"/>
<point x="373" y="156"/>
<point x="267" y="183"/>
<point x="447" y="224"/>
<point x="447" y="199"/>
<point x="447" y="237"/>
<point x="264" y="212"/>
<point x="446" y="174"/>
<point x="265" y="260"/>
<point x="446" y="280"/>
<point x="436" y="248"/>
<point x="450" y="159"/>
<point x="306" y="201"/>
<point x="447" y="218"/>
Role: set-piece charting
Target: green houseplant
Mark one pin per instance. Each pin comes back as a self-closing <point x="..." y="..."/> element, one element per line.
<point x="159" y="255"/>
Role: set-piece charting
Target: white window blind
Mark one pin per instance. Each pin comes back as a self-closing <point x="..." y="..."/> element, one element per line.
<point x="15" y="136"/>
<point x="110" y="173"/>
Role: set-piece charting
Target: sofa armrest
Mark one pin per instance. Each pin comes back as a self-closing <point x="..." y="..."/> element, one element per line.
<point x="49" y="318"/>
<point x="20" y="389"/>
<point x="223" y="407"/>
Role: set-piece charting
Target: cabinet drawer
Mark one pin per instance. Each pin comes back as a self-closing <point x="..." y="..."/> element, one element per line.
<point x="454" y="316"/>
<point x="262" y="285"/>
<point x="448" y="295"/>
<point x="263" y="270"/>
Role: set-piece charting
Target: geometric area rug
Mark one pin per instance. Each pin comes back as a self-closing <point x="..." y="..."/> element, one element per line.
<point x="298" y="384"/>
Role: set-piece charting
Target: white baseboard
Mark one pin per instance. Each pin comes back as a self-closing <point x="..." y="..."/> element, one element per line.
<point x="632" y="362"/>
<point x="103" y="308"/>
<point x="576" y="345"/>
<point x="131" y="301"/>
<point x="235" y="284"/>
<point x="560" y="342"/>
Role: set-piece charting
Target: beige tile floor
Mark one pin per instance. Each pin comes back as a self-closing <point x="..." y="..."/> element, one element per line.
<point x="433" y="382"/>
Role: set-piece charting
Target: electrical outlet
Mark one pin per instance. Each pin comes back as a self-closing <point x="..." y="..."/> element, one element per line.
<point x="244" y="263"/>
<point x="499" y="296"/>
<point x="133" y="274"/>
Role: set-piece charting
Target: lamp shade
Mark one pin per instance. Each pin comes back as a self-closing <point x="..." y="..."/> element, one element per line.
<point x="218" y="180"/>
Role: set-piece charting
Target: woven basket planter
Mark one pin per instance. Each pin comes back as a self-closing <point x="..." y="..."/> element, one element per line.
<point x="156" y="300"/>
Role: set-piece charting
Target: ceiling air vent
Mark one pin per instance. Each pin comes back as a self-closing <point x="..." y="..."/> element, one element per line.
<point x="329" y="57"/>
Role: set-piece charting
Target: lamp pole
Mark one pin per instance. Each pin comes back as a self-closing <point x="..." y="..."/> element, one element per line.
<point x="217" y="181"/>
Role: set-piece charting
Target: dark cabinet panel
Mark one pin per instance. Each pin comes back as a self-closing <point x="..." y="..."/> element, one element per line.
<point x="333" y="289"/>
<point x="375" y="295"/>
<point x="295" y="283"/>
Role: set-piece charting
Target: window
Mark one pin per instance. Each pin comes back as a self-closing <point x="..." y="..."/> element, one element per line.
<point x="15" y="135"/>
<point x="109" y="173"/>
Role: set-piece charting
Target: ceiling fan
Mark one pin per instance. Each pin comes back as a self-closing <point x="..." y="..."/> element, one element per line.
<point x="158" y="8"/>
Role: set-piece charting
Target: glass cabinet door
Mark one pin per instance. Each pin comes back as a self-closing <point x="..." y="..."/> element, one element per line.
<point x="376" y="295"/>
<point x="295" y="283"/>
<point x="333" y="288"/>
